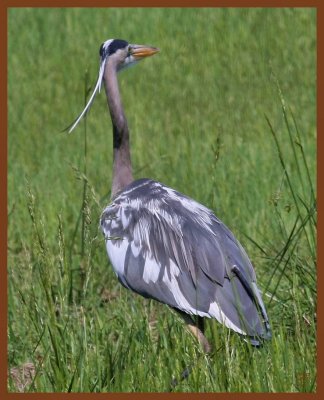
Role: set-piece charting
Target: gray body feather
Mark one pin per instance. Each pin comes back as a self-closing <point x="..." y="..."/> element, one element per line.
<point x="166" y="246"/>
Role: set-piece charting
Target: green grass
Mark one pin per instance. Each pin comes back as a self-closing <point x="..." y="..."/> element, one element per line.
<point x="225" y="113"/>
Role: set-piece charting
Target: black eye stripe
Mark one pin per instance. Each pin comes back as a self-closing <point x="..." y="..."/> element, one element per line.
<point x="115" y="45"/>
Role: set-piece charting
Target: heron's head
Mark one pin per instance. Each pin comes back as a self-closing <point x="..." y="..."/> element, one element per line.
<point x="123" y="53"/>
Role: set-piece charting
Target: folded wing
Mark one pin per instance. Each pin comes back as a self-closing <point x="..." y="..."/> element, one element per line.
<point x="165" y="246"/>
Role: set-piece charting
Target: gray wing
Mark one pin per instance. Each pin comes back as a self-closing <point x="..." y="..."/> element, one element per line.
<point x="168" y="247"/>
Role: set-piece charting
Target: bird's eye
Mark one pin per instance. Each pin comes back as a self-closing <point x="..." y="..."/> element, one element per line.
<point x="129" y="53"/>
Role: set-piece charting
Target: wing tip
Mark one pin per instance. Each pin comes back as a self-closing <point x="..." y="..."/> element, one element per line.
<point x="259" y="339"/>
<point x="254" y="293"/>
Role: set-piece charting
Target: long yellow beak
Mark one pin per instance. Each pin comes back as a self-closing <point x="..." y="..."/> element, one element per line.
<point x="140" y="51"/>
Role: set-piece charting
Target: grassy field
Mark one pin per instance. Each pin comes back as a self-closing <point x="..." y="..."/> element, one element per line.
<point x="225" y="113"/>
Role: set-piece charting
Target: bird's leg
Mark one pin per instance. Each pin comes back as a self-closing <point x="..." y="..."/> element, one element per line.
<point x="197" y="329"/>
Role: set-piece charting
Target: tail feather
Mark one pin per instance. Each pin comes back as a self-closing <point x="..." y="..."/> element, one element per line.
<point x="254" y="293"/>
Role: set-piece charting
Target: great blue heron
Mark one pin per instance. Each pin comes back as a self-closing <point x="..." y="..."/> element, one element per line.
<point x="166" y="246"/>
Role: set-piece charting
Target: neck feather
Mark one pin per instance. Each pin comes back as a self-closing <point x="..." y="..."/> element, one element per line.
<point x="122" y="167"/>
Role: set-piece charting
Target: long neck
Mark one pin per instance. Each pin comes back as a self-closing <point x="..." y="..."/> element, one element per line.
<point x="122" y="166"/>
